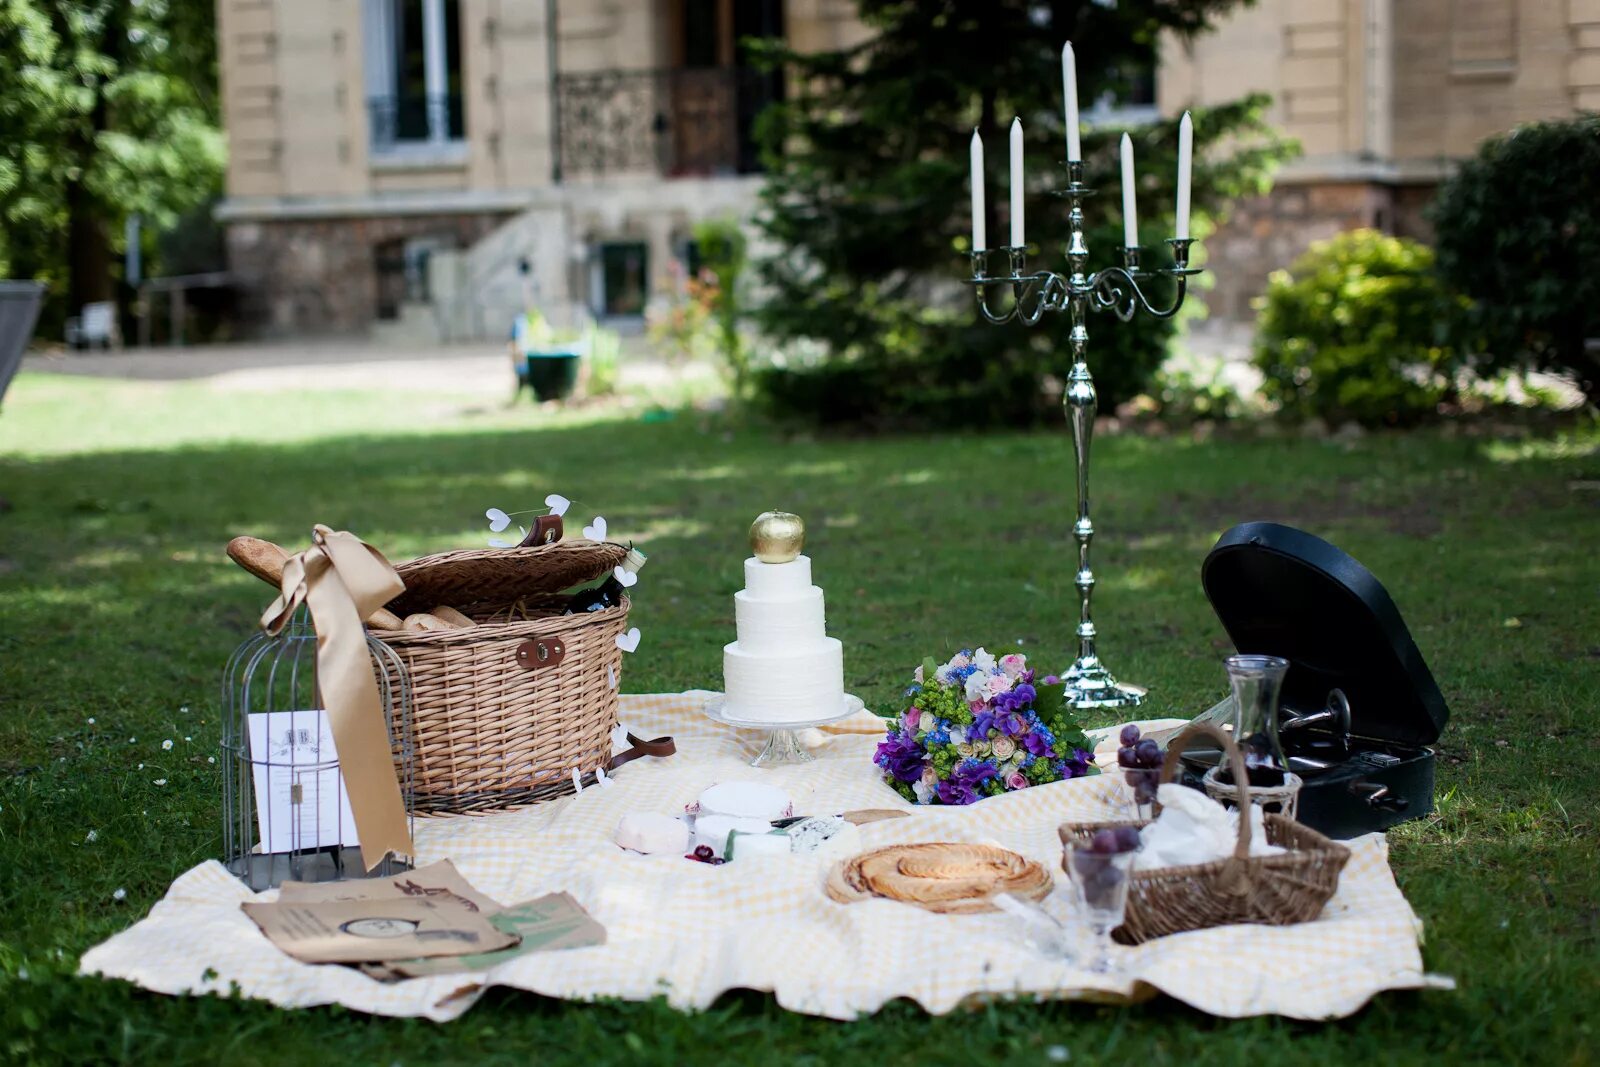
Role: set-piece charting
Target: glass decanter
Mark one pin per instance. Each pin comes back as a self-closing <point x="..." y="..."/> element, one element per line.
<point x="1257" y="684"/>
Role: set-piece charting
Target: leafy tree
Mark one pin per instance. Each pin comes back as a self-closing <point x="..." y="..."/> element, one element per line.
<point x="1518" y="231"/>
<point x="109" y="108"/>
<point x="867" y="201"/>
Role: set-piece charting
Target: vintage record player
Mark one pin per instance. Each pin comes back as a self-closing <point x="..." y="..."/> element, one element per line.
<point x="1359" y="706"/>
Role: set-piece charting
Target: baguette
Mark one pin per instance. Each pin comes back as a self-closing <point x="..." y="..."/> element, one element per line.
<point x="265" y="560"/>
<point x="450" y="615"/>
<point x="422" y="621"/>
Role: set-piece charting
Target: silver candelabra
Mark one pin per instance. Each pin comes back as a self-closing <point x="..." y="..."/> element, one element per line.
<point x="1089" y="683"/>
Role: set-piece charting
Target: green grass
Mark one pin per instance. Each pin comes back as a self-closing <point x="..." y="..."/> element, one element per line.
<point x="119" y="607"/>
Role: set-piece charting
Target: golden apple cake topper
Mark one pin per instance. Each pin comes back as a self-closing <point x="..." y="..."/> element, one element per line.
<point x="777" y="536"/>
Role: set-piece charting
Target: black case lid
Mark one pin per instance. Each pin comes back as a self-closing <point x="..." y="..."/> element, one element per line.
<point x="1283" y="592"/>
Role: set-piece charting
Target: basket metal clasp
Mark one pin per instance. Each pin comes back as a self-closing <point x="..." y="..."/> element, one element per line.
<point x="540" y="652"/>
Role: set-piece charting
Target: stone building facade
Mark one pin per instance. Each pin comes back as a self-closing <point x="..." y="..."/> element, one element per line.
<point x="429" y="166"/>
<point x="1385" y="96"/>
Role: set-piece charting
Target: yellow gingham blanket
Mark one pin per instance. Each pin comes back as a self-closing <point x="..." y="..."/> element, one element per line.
<point x="689" y="931"/>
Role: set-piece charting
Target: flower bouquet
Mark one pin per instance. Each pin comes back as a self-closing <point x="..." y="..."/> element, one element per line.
<point x="978" y="726"/>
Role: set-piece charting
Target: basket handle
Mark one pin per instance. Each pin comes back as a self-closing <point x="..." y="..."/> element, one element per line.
<point x="1169" y="771"/>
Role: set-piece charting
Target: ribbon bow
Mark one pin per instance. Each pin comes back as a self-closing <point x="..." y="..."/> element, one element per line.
<point x="342" y="579"/>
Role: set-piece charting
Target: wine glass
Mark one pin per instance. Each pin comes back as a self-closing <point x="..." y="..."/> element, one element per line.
<point x="1099" y="870"/>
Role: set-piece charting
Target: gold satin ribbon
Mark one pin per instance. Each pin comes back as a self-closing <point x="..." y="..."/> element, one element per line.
<point x="342" y="579"/>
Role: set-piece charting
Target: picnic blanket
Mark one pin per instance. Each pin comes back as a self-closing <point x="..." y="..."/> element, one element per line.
<point x="689" y="931"/>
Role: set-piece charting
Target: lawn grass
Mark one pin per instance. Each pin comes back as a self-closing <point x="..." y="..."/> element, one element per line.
<point x="119" y="611"/>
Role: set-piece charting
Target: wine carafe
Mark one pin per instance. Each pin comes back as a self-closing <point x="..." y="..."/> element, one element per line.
<point x="1257" y="683"/>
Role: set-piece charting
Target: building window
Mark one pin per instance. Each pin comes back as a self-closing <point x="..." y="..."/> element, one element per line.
<point x="620" y="282"/>
<point x="412" y="50"/>
<point x="1129" y="94"/>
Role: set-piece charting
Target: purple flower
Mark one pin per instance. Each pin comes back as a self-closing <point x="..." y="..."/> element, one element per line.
<point x="901" y="757"/>
<point x="956" y="791"/>
<point x="1052" y="679"/>
<point x="1077" y="765"/>
<point x="1036" y="743"/>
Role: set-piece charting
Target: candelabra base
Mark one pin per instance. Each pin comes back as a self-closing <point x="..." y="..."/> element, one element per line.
<point x="1093" y="687"/>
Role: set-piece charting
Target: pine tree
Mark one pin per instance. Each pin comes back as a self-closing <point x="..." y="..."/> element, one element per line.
<point x="866" y="202"/>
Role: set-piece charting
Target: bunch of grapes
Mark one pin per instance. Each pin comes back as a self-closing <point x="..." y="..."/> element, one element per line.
<point x="1100" y="878"/>
<point x="1141" y="760"/>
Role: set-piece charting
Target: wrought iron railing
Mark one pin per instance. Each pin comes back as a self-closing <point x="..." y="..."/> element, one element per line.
<point x="676" y="123"/>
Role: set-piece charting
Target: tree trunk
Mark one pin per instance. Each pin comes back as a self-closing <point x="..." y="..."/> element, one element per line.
<point x="88" y="252"/>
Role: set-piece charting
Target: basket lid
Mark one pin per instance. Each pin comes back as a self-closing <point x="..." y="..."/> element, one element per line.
<point x="1280" y="591"/>
<point x="501" y="575"/>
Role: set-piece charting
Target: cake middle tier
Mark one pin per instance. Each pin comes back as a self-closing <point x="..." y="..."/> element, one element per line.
<point x="801" y="685"/>
<point x="779" y="625"/>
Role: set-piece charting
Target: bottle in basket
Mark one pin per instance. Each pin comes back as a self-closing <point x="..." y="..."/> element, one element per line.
<point x="608" y="594"/>
<point x="1257" y="682"/>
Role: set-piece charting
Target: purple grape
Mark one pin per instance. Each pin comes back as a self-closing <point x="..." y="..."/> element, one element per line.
<point x="1127" y="838"/>
<point x="1104" y="841"/>
<point x="1148" y="753"/>
<point x="1144" y="792"/>
<point x="1130" y="735"/>
<point x="1126" y="758"/>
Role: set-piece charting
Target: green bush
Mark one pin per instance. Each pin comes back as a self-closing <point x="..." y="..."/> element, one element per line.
<point x="1519" y="233"/>
<point x="1358" y="330"/>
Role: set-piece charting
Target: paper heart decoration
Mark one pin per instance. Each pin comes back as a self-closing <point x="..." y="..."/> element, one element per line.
<point x="557" y="504"/>
<point x="625" y="576"/>
<point x="630" y="640"/>
<point x="498" y="520"/>
<point x="596" y="531"/>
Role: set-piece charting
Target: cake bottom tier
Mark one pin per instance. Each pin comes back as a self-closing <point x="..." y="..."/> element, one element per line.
<point x="792" y="686"/>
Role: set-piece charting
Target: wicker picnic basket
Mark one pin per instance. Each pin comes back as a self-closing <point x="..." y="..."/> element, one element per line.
<point x="505" y="711"/>
<point x="1289" y="887"/>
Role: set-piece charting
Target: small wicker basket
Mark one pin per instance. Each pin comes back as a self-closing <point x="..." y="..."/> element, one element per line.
<point x="505" y="711"/>
<point x="1277" y="890"/>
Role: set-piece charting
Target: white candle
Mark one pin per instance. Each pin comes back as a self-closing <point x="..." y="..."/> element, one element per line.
<point x="1185" y="166"/>
<point x="979" y="238"/>
<point x="1069" y="91"/>
<point x="1016" y="184"/>
<point x="1130" y="220"/>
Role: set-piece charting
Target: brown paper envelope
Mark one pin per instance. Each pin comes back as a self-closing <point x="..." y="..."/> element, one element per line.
<point x="359" y="931"/>
<point x="549" y="924"/>
<point x="435" y="882"/>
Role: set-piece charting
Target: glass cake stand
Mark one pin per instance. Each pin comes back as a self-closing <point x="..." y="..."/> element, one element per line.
<point x="783" y="744"/>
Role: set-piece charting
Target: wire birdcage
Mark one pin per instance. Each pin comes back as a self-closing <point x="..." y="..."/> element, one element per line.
<point x="285" y="813"/>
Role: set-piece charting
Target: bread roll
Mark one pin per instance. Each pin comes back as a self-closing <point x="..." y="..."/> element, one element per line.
<point x="384" y="619"/>
<point x="425" y="622"/>
<point x="452" y="616"/>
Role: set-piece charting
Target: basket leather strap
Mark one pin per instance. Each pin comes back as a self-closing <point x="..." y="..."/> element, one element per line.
<point x="661" y="746"/>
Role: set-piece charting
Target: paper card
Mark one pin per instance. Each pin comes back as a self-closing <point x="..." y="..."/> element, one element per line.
<point x="548" y="924"/>
<point x="390" y="928"/>
<point x="437" y="882"/>
<point x="301" y="801"/>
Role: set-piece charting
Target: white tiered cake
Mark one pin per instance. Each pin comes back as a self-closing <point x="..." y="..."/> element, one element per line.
<point x="784" y="668"/>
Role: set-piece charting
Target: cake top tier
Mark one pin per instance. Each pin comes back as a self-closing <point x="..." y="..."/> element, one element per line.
<point x="777" y="581"/>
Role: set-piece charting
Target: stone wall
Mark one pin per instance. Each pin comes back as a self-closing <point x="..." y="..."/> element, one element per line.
<point x="1268" y="233"/>
<point x="319" y="276"/>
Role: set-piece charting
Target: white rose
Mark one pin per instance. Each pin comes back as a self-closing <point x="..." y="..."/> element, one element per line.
<point x="984" y="660"/>
<point x="977" y="686"/>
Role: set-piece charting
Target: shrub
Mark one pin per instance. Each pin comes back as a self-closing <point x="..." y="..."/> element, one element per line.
<point x="1519" y="233"/>
<point x="1358" y="329"/>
